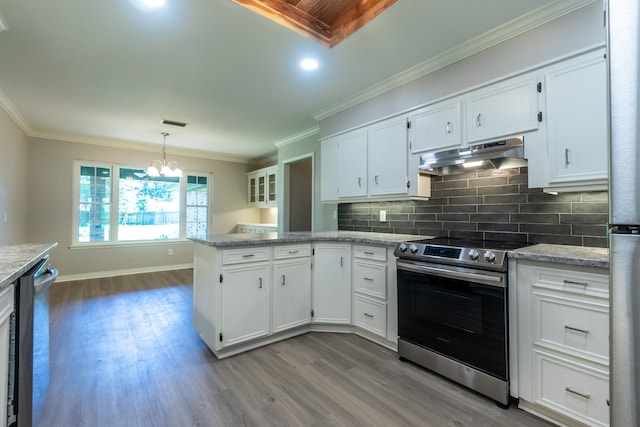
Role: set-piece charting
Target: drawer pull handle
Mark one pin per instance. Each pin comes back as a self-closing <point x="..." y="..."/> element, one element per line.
<point x="247" y="255"/>
<point x="369" y="315"/>
<point x="573" y="282"/>
<point x="368" y="253"/>
<point x="368" y="279"/>
<point x="577" y="393"/>
<point x="293" y="251"/>
<point x="571" y="328"/>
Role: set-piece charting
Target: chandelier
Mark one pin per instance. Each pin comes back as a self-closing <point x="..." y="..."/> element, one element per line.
<point x="162" y="167"/>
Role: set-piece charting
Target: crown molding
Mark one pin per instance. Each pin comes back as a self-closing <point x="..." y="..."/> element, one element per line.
<point x="15" y="115"/>
<point x="298" y="136"/>
<point x="129" y="145"/>
<point x="493" y="37"/>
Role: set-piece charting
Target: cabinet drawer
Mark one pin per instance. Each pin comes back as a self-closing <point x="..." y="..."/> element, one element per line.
<point x="376" y="253"/>
<point x="572" y="281"/>
<point x="578" y="327"/>
<point x="236" y="256"/>
<point x="574" y="390"/>
<point x="291" y="251"/>
<point x="370" y="278"/>
<point x="371" y="315"/>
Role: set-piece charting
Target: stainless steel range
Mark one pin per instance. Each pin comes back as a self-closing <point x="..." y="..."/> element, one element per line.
<point x="453" y="311"/>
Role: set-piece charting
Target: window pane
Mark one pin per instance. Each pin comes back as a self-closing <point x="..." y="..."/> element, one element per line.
<point x="149" y="208"/>
<point x="197" y="207"/>
<point x="94" y="204"/>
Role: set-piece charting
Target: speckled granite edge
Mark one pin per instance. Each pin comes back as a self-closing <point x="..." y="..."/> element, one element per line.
<point x="564" y="254"/>
<point x="15" y="260"/>
<point x="252" y="239"/>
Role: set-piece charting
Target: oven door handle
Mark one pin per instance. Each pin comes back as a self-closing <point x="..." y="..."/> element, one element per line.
<point x="486" y="279"/>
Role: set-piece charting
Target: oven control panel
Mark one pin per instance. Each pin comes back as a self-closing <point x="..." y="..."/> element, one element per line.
<point x="478" y="257"/>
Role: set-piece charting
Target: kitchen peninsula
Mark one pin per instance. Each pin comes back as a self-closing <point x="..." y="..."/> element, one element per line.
<point x="255" y="289"/>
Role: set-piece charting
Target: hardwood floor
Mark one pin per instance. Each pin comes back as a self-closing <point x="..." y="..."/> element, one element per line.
<point x="124" y="353"/>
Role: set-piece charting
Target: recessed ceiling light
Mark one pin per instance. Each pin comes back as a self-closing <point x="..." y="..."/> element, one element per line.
<point x="147" y="5"/>
<point x="309" y="64"/>
<point x="154" y="3"/>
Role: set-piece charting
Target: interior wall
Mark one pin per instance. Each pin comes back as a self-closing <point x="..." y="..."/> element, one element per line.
<point x="13" y="182"/>
<point x="300" y="181"/>
<point x="325" y="216"/>
<point x="575" y="31"/>
<point x="50" y="206"/>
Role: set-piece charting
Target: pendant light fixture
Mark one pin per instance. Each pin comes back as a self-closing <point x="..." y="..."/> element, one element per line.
<point x="162" y="167"/>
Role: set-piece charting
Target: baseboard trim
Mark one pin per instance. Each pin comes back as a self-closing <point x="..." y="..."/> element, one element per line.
<point x="123" y="272"/>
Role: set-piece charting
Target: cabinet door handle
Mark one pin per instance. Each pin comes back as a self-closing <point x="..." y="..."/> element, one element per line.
<point x="449" y="128"/>
<point x="247" y="255"/>
<point x="283" y="280"/>
<point x="577" y="393"/>
<point x="375" y="179"/>
<point x="571" y="328"/>
<point x="478" y="120"/>
<point x="359" y="182"/>
<point x="341" y="262"/>
<point x="368" y="315"/>
<point x="566" y="157"/>
<point x="259" y="282"/>
<point x="575" y="283"/>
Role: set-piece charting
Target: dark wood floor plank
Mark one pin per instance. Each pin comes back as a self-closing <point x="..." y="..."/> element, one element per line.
<point x="124" y="353"/>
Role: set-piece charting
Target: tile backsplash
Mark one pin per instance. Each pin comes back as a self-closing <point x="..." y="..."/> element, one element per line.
<point x="490" y="205"/>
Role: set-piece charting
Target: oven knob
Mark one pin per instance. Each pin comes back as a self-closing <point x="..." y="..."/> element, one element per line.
<point x="402" y="247"/>
<point x="489" y="256"/>
<point x="474" y="254"/>
<point x="413" y="249"/>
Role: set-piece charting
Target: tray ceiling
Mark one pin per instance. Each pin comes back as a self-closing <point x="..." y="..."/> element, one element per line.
<point x="326" y="21"/>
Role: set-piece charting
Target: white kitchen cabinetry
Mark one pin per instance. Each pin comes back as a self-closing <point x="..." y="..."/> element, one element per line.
<point x="262" y="184"/>
<point x="573" y="151"/>
<point x="291" y="286"/>
<point x="244" y="295"/>
<point x="387" y="157"/>
<point x="436" y="127"/>
<point x="563" y="341"/>
<point x="370" y="289"/>
<point x="352" y="164"/>
<point x="6" y="308"/>
<point x="332" y="283"/>
<point x="502" y="109"/>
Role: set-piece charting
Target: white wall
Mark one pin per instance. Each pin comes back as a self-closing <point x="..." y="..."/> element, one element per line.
<point x="14" y="170"/>
<point x="577" y="30"/>
<point x="50" y="206"/>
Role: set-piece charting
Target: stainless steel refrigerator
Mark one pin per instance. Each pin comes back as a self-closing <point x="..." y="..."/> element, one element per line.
<point x="624" y="206"/>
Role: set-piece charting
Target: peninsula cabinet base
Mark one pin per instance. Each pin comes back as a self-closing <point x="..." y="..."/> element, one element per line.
<point x="259" y="342"/>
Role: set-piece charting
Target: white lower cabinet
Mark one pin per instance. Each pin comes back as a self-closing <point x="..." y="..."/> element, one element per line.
<point x="291" y="287"/>
<point x="244" y="295"/>
<point x="332" y="283"/>
<point x="563" y="341"/>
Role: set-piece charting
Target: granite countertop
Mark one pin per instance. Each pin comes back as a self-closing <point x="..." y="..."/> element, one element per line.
<point x="249" y="239"/>
<point x="564" y="254"/>
<point x="15" y="260"/>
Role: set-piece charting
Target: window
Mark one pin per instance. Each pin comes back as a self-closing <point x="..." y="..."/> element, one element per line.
<point x="148" y="208"/>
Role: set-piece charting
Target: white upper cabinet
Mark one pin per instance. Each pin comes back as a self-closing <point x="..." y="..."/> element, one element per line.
<point x="352" y="164"/>
<point x="387" y="157"/>
<point x="502" y="109"/>
<point x="261" y="189"/>
<point x="436" y="127"/>
<point x="576" y="107"/>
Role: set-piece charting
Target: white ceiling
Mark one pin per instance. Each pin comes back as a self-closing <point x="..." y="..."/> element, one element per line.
<point x="106" y="72"/>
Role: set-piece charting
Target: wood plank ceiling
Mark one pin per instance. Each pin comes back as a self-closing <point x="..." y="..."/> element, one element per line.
<point x="326" y="21"/>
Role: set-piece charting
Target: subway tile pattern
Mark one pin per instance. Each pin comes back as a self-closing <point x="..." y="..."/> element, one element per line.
<point x="490" y="205"/>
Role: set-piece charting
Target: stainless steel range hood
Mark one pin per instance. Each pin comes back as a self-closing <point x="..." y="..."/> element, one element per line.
<point x="505" y="154"/>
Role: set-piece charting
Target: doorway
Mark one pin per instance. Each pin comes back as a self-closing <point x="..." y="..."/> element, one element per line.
<point x="298" y="192"/>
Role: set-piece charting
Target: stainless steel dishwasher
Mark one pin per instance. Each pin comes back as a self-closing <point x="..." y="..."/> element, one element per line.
<point x="29" y="345"/>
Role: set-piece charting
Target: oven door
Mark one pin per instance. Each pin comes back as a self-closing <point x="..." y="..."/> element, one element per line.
<point x="460" y="313"/>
